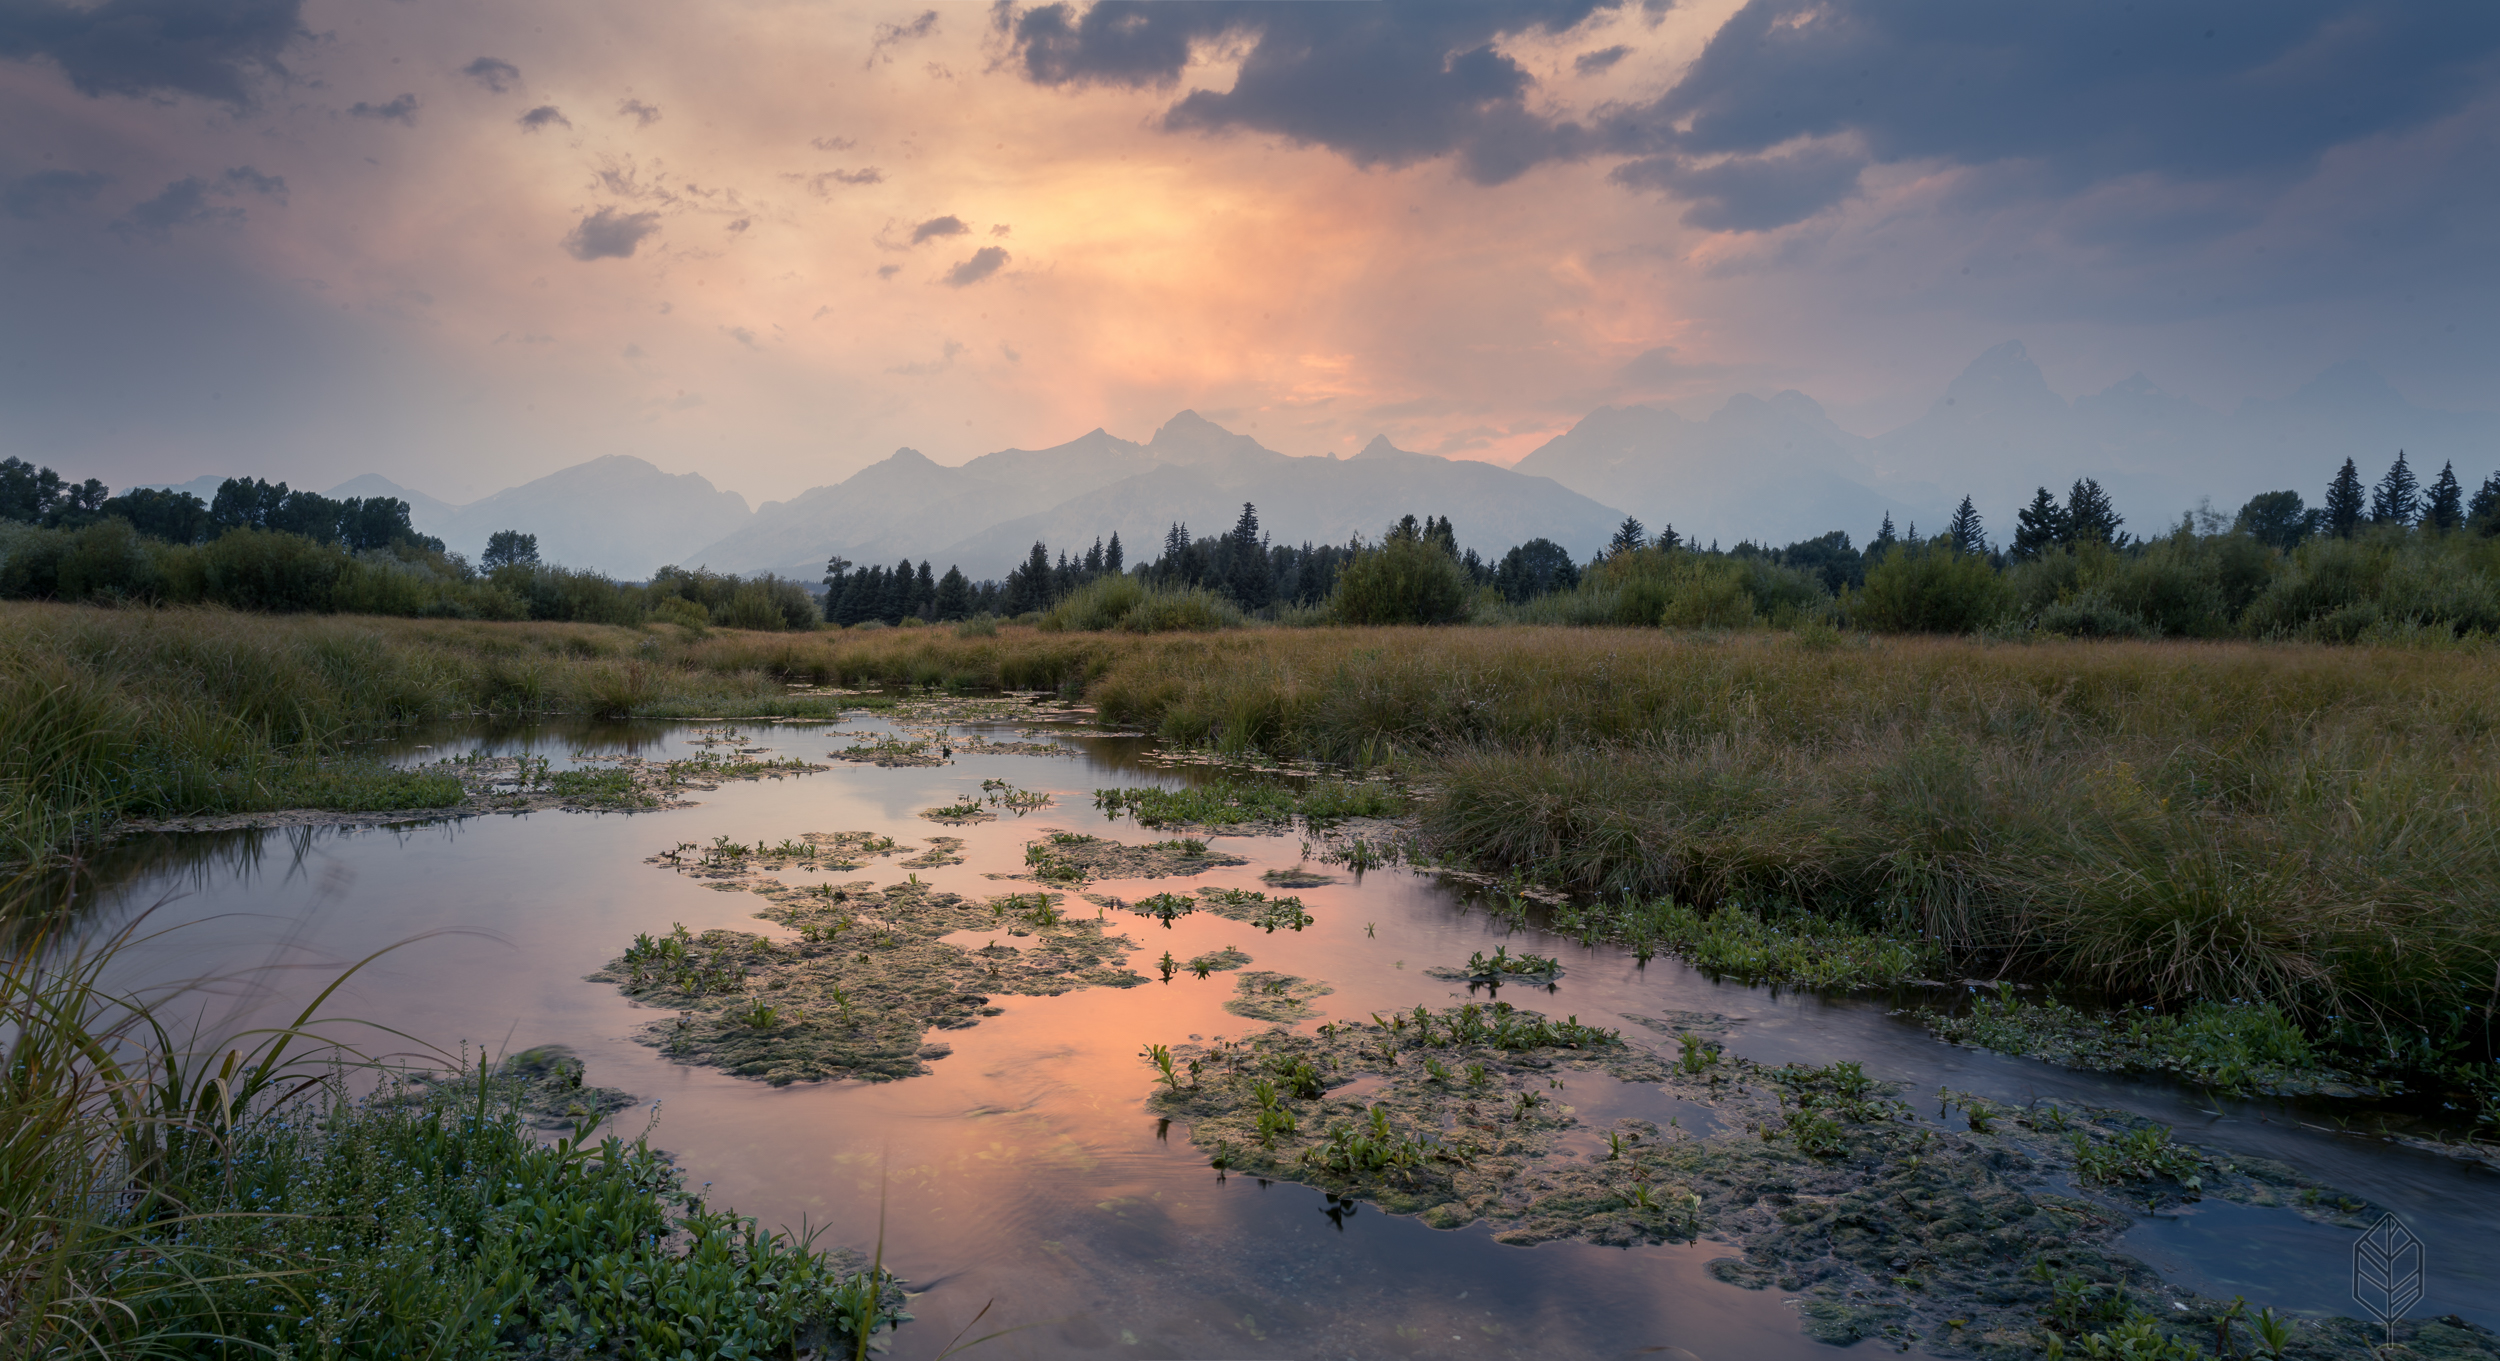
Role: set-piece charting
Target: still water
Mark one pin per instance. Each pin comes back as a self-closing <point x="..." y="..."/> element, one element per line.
<point x="1023" y="1176"/>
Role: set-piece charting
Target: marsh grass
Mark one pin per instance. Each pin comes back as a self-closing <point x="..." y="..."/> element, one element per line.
<point x="207" y="1195"/>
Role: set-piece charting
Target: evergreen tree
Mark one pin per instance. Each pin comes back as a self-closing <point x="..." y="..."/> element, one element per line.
<point x="1246" y="576"/>
<point x="837" y="569"/>
<point x="1629" y="535"/>
<point x="2276" y="519"/>
<point x="1884" y="539"/>
<point x="2090" y="518"/>
<point x="1668" y="540"/>
<point x="2398" y="497"/>
<point x="2343" y="501"/>
<point x="1966" y="532"/>
<point x="1439" y="532"/>
<point x="1093" y="558"/>
<point x="1028" y="587"/>
<point x="2444" y="510"/>
<point x="2483" y="513"/>
<point x="2039" y="527"/>
<point x="953" y="596"/>
<point x="1111" y="554"/>
<point x="896" y="602"/>
<point x="924" y="594"/>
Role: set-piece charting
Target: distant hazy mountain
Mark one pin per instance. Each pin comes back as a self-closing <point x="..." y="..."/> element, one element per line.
<point x="1769" y="469"/>
<point x="1777" y="469"/>
<point x="616" y="514"/>
<point x="986" y="514"/>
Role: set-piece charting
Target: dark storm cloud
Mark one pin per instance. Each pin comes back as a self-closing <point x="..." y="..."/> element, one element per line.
<point x="949" y="225"/>
<point x="191" y="201"/>
<point x="209" y="48"/>
<point x="50" y="191"/>
<point x="644" y="115"/>
<point x="543" y="116"/>
<point x="984" y="262"/>
<point x="400" y="110"/>
<point x="1604" y="58"/>
<point x="2074" y="95"/>
<point x="498" y="76"/>
<point x="610" y="235"/>
<point x="1382" y="84"/>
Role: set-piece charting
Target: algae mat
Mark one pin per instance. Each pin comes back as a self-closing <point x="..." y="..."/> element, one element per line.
<point x="1960" y="1241"/>
<point x="869" y="975"/>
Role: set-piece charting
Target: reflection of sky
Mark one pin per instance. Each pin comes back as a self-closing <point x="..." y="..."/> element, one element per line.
<point x="1024" y="1167"/>
<point x="463" y="244"/>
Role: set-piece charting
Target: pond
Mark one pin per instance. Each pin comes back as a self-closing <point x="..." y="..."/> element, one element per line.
<point x="1025" y="1173"/>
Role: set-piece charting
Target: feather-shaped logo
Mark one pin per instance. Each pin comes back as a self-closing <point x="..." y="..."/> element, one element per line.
<point x="2387" y="1272"/>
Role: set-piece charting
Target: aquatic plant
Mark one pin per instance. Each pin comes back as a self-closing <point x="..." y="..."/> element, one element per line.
<point x="1160" y="1055"/>
<point x="1502" y="963"/>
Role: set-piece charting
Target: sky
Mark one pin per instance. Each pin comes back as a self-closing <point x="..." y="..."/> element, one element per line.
<point x="464" y="244"/>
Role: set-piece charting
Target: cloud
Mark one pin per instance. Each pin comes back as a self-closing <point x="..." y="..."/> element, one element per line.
<point x="609" y="235"/>
<point x="1381" y="84"/>
<point x="895" y="35"/>
<point x="888" y="271"/>
<point x="2246" y="92"/>
<point x="1000" y="229"/>
<point x="498" y="76"/>
<point x="949" y="225"/>
<point x="984" y="262"/>
<point x="1604" y="58"/>
<point x="209" y="48"/>
<point x="740" y="334"/>
<point x="832" y="143"/>
<point x="822" y="182"/>
<point x="50" y="191"/>
<point x="928" y="367"/>
<point x="644" y="115"/>
<point x="741" y="224"/>
<point x="400" y="110"/>
<point x="542" y="116"/>
<point x="1750" y="193"/>
<point x="192" y="201"/>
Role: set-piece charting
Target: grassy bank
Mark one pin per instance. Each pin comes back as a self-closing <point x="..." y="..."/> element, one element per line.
<point x="2301" y="824"/>
<point x="232" y="1199"/>
<point x="144" y="713"/>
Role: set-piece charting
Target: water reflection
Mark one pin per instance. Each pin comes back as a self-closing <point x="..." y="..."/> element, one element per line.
<point x="1023" y="1170"/>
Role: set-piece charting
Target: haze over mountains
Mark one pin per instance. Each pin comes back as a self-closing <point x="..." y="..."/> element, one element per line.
<point x="1773" y="468"/>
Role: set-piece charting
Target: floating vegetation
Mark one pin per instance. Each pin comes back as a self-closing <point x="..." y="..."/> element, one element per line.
<point x="1000" y="793"/>
<point x="1736" y="941"/>
<point x="943" y="851"/>
<point x="1297" y="877"/>
<point x="1075" y="858"/>
<point x="880" y="749"/>
<point x="1252" y="808"/>
<point x="1256" y="908"/>
<point x="1502" y="966"/>
<point x="729" y="863"/>
<point x="1217" y="961"/>
<point x="2236" y="1048"/>
<point x="542" y="1084"/>
<point x="961" y="811"/>
<point x="1281" y="998"/>
<point x="1823" y="1179"/>
<point x="866" y="980"/>
<point x="1165" y="907"/>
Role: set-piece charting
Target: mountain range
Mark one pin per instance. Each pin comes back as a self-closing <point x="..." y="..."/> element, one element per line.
<point x="1772" y="468"/>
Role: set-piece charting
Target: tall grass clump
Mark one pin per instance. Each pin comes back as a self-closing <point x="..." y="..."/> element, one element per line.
<point x="163" y="1194"/>
<point x="1133" y="605"/>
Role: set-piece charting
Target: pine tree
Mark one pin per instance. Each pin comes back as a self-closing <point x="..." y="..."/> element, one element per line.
<point x="1668" y="540"/>
<point x="1629" y="535"/>
<point x="1111" y="554"/>
<point x="2343" y="501"/>
<point x="2039" y="527"/>
<point x="1246" y="576"/>
<point x="2444" y="510"/>
<point x="1437" y="530"/>
<point x="2090" y="518"/>
<point x="924" y="594"/>
<point x="2398" y="497"/>
<point x="1884" y="539"/>
<point x="1093" y="558"/>
<point x="954" y="596"/>
<point x="2484" y="511"/>
<point x="1967" y="534"/>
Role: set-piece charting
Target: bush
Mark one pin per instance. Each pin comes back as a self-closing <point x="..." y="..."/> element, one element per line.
<point x="255" y="569"/>
<point x="1403" y="581"/>
<point x="107" y="561"/>
<point x="1129" y="604"/>
<point x="1930" y="588"/>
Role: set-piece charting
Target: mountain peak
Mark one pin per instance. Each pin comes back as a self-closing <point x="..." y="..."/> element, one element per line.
<point x="2002" y="379"/>
<point x="1186" y="425"/>
<point x="1380" y="447"/>
<point x="910" y="457"/>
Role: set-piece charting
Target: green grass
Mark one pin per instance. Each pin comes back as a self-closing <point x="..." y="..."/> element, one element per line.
<point x="2213" y="1044"/>
<point x="1231" y="803"/>
<point x="1734" y="941"/>
<point x="228" y="1199"/>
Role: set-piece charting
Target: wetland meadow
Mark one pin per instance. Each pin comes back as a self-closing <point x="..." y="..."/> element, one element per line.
<point x="1517" y="992"/>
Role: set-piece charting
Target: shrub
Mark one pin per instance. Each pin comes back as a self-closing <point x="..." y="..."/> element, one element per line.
<point x="1403" y="581"/>
<point x="1930" y="588"/>
<point x="107" y="561"/>
<point x="254" y="569"/>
